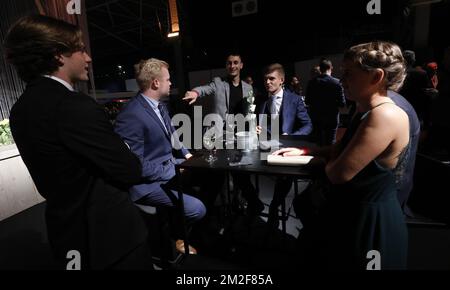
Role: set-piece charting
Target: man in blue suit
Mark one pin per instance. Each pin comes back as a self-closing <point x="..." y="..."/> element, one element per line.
<point x="293" y="120"/>
<point x="293" y="117"/>
<point x="144" y="124"/>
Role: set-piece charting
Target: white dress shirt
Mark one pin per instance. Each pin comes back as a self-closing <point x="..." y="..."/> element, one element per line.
<point x="276" y="99"/>
<point x="154" y="104"/>
<point x="61" y="81"/>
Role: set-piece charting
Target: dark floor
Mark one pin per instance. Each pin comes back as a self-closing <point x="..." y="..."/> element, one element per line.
<point x="249" y="245"/>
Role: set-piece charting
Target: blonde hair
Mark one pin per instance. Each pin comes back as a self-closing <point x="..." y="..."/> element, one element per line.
<point x="383" y="55"/>
<point x="148" y="70"/>
<point x="275" y="67"/>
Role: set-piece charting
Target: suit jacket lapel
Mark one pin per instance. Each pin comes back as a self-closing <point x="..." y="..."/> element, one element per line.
<point x="245" y="89"/>
<point x="227" y="94"/>
<point x="284" y="109"/>
<point x="152" y="113"/>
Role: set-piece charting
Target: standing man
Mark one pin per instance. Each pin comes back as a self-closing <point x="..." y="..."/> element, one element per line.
<point x="414" y="89"/>
<point x="227" y="93"/>
<point x="293" y="120"/>
<point x="228" y="98"/>
<point x="324" y="97"/>
<point x="145" y="125"/>
<point x="77" y="162"/>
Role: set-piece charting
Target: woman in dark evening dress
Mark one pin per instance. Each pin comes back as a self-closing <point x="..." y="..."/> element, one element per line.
<point x="362" y="212"/>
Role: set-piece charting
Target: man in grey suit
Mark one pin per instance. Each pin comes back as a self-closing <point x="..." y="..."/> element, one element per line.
<point x="227" y="95"/>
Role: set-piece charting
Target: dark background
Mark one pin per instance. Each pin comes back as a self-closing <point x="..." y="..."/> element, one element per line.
<point x="282" y="31"/>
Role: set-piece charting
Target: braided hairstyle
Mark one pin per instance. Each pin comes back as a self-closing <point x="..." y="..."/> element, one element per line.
<point x="380" y="55"/>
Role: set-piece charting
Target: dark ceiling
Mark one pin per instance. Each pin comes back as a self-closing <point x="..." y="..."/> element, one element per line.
<point x="124" y="31"/>
<point x="124" y="26"/>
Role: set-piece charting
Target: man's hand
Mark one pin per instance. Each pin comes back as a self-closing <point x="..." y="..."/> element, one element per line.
<point x="187" y="156"/>
<point x="289" y="152"/>
<point x="191" y="96"/>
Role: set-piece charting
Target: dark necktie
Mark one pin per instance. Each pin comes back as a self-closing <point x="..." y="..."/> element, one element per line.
<point x="168" y="124"/>
<point x="165" y="117"/>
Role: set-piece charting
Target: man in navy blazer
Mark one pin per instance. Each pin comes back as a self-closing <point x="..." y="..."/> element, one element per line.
<point x="293" y="117"/>
<point x="144" y="124"/>
<point x="293" y="120"/>
<point x="324" y="96"/>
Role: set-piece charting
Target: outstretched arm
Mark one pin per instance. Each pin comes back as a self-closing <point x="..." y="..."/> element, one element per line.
<point x="199" y="92"/>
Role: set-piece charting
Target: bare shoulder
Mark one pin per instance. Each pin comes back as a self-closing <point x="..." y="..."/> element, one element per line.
<point x="388" y="116"/>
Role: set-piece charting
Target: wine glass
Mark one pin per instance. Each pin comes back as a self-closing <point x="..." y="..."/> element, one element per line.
<point x="229" y="130"/>
<point x="209" y="140"/>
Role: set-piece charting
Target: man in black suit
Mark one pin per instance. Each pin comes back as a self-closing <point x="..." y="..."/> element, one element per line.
<point x="77" y="162"/>
<point x="324" y="96"/>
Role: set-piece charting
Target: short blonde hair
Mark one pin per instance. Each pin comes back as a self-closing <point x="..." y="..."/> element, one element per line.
<point x="275" y="67"/>
<point x="380" y="54"/>
<point x="148" y="70"/>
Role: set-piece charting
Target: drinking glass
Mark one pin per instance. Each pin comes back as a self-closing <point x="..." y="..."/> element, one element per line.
<point x="209" y="140"/>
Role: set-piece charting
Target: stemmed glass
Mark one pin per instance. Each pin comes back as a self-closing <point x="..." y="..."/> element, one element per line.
<point x="209" y="140"/>
<point x="229" y="130"/>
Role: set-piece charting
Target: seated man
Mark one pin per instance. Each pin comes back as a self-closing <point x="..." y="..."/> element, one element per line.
<point x="144" y="124"/>
<point x="293" y="120"/>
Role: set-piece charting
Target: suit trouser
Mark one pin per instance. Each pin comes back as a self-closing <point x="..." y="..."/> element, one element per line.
<point x="167" y="196"/>
<point x="324" y="134"/>
<point x="282" y="187"/>
<point x="243" y="182"/>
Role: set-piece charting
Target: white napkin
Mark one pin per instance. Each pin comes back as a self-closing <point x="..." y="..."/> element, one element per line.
<point x="288" y="160"/>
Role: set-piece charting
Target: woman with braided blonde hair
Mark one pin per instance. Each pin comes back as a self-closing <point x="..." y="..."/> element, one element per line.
<point x="362" y="212"/>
